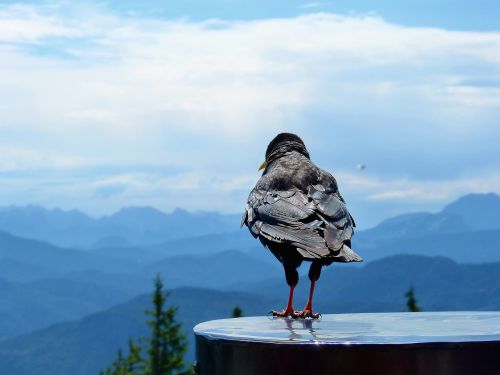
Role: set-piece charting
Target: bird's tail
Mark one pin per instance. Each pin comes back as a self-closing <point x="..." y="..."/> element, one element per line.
<point x="347" y="255"/>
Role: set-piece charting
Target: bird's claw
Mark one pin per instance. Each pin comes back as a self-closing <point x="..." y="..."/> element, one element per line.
<point x="291" y="313"/>
<point x="307" y="313"/>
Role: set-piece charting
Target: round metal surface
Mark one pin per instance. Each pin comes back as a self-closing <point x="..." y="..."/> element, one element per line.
<point x="385" y="343"/>
<point x="387" y="328"/>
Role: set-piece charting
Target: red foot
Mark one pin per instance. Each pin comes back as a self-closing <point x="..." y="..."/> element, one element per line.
<point x="288" y="312"/>
<point x="307" y="313"/>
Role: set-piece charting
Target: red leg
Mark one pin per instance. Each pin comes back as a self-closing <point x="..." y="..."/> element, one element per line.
<point x="308" y="310"/>
<point x="289" y="311"/>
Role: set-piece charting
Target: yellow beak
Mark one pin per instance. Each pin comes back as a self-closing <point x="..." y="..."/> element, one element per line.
<point x="262" y="166"/>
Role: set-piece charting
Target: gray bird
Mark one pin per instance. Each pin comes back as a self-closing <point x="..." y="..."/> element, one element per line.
<point x="297" y="212"/>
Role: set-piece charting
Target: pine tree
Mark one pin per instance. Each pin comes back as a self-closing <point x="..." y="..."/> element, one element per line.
<point x="237" y="312"/>
<point x="165" y="348"/>
<point x="118" y="367"/>
<point x="411" y="302"/>
<point x="167" y="345"/>
<point x="133" y="361"/>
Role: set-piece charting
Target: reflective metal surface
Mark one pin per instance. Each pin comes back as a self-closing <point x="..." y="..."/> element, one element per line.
<point x="389" y="343"/>
<point x="395" y="328"/>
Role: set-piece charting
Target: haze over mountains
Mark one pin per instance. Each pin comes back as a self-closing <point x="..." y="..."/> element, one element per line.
<point x="66" y="310"/>
<point x="146" y="225"/>
<point x="469" y="213"/>
<point x="129" y="226"/>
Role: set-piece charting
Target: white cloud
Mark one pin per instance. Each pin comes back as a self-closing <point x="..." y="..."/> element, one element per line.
<point x="227" y="76"/>
<point x="16" y="159"/>
<point x="207" y="97"/>
<point x="405" y="189"/>
<point x="27" y="24"/>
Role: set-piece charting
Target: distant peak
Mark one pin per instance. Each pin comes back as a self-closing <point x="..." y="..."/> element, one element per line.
<point x="474" y="199"/>
<point x="480" y="211"/>
<point x="138" y="209"/>
<point x="35" y="208"/>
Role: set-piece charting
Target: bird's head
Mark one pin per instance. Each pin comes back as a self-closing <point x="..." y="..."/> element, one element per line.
<point x="281" y="144"/>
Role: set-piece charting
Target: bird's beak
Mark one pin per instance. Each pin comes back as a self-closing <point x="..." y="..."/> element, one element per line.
<point x="262" y="166"/>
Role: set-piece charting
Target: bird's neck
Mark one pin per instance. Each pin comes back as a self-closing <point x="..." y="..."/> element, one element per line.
<point x="284" y="151"/>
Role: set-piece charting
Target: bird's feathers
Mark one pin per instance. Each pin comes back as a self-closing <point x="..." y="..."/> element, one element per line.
<point x="348" y="255"/>
<point x="316" y="224"/>
<point x="296" y="206"/>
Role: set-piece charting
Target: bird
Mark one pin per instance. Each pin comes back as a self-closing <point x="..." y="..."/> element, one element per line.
<point x="297" y="212"/>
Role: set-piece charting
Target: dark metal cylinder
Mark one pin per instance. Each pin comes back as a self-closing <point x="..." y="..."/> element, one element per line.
<point x="352" y="344"/>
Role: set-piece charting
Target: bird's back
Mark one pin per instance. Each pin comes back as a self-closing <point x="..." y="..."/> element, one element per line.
<point x="296" y="207"/>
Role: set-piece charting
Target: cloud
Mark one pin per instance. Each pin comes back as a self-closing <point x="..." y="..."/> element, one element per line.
<point x="234" y="77"/>
<point x="29" y="24"/>
<point x="110" y="190"/>
<point x="87" y="87"/>
<point x="444" y="190"/>
<point x="18" y="159"/>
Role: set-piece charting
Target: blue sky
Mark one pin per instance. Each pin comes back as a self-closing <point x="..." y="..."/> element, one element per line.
<point x="110" y="104"/>
<point x="449" y="14"/>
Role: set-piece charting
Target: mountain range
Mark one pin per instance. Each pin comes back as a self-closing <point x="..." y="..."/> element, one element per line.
<point x="128" y="226"/>
<point x="473" y="212"/>
<point x="146" y="226"/>
<point x="48" y="276"/>
<point x="88" y="345"/>
<point x="41" y="284"/>
<point x="73" y="287"/>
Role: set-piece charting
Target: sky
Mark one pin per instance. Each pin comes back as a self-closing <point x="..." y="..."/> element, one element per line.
<point x="106" y="104"/>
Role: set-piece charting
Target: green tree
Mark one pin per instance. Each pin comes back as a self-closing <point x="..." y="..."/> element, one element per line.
<point x="164" y="350"/>
<point x="237" y="312"/>
<point x="167" y="345"/>
<point x="411" y="302"/>
<point x="129" y="365"/>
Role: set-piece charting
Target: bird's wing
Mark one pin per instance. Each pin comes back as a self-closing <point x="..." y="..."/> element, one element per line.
<point x="285" y="217"/>
<point x="330" y="207"/>
<point x="315" y="223"/>
<point x="291" y="218"/>
<point x="338" y="224"/>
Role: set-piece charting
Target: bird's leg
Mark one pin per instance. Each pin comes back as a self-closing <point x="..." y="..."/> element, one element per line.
<point x="289" y="311"/>
<point x="290" y="265"/>
<point x="308" y="310"/>
<point x="314" y="273"/>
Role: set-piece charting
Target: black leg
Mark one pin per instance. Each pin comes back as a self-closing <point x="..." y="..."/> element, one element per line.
<point x="292" y="276"/>
<point x="315" y="271"/>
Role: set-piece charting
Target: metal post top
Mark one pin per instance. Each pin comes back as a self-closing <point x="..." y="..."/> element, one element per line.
<point x="358" y="329"/>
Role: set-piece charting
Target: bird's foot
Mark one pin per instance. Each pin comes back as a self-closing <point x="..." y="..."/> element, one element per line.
<point x="307" y="313"/>
<point x="288" y="312"/>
